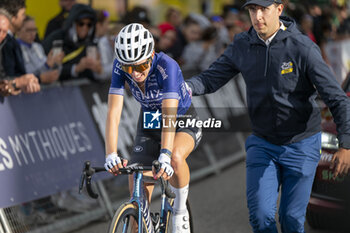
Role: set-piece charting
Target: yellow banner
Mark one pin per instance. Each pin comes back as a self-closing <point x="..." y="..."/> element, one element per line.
<point x="42" y="12"/>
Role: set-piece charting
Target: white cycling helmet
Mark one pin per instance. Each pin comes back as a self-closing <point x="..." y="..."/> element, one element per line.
<point x="134" y="43"/>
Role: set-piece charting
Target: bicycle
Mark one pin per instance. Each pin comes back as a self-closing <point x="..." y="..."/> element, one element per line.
<point x="134" y="215"/>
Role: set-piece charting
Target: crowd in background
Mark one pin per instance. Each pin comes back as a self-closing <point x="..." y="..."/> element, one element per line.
<point x="79" y="41"/>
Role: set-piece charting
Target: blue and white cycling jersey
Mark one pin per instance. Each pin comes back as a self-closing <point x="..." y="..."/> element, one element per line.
<point x="164" y="81"/>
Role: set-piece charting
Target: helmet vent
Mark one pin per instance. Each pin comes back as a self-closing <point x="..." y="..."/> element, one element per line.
<point x="123" y="54"/>
<point x="149" y="50"/>
<point x="143" y="49"/>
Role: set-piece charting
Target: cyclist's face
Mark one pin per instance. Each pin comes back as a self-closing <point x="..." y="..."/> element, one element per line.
<point x="140" y="76"/>
<point x="265" y="20"/>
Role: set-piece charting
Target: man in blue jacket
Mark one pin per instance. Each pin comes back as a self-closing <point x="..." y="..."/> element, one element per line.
<point x="283" y="71"/>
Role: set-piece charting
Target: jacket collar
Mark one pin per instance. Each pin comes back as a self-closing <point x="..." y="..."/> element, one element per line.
<point x="281" y="34"/>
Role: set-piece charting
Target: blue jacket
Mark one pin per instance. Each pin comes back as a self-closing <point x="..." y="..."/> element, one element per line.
<point x="281" y="81"/>
<point x="12" y="58"/>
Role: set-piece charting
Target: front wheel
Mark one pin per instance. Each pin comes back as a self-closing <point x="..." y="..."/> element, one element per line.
<point x="168" y="227"/>
<point x="125" y="220"/>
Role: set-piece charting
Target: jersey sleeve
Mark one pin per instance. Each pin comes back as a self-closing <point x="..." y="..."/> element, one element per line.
<point x="118" y="80"/>
<point x="172" y="78"/>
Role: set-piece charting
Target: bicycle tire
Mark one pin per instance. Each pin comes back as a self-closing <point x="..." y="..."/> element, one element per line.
<point x="168" y="229"/>
<point x="126" y="212"/>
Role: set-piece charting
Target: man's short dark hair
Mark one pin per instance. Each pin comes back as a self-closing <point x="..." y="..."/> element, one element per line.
<point x="5" y="13"/>
<point x="12" y="6"/>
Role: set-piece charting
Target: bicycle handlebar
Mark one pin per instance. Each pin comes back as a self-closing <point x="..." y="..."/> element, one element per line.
<point x="89" y="171"/>
<point x="86" y="176"/>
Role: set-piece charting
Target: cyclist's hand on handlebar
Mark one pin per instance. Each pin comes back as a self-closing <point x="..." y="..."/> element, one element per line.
<point x="114" y="162"/>
<point x="166" y="170"/>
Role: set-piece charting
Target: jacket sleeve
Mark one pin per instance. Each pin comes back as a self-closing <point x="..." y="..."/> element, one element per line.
<point x="9" y="58"/>
<point x="331" y="93"/>
<point x="66" y="72"/>
<point x="216" y="76"/>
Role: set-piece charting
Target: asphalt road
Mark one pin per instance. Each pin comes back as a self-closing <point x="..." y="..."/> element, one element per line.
<point x="218" y="205"/>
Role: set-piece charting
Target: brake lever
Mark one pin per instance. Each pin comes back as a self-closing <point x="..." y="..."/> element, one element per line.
<point x="86" y="167"/>
<point x="86" y="176"/>
<point x="89" y="189"/>
<point x="81" y="182"/>
<point x="165" y="185"/>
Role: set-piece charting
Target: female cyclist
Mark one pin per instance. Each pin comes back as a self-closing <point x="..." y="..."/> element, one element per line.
<point x="155" y="81"/>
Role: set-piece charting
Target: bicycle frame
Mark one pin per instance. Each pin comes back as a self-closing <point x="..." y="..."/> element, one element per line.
<point x="140" y="198"/>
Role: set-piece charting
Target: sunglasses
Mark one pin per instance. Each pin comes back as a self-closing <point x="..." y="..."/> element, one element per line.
<point x="138" y="68"/>
<point x="31" y="30"/>
<point x="82" y="24"/>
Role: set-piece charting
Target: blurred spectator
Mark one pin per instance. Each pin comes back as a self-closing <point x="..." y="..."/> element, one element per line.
<point x="223" y="35"/>
<point x="113" y="30"/>
<point x="104" y="46"/>
<point x="12" y="60"/>
<point x="167" y="37"/>
<point x="102" y="23"/>
<point x="316" y="14"/>
<point x="57" y="22"/>
<point x="35" y="60"/>
<point x="327" y="30"/>
<point x="81" y="55"/>
<point x="189" y="31"/>
<point x="138" y="14"/>
<point x="155" y="31"/>
<point x="233" y="30"/>
<point x="198" y="55"/>
<point x="201" y="19"/>
<point x="173" y="16"/>
<point x="306" y="26"/>
<point x="297" y="13"/>
<point x="244" y="22"/>
<point x="230" y="14"/>
<point x="232" y="21"/>
<point x="344" y="23"/>
<point x="5" y="87"/>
